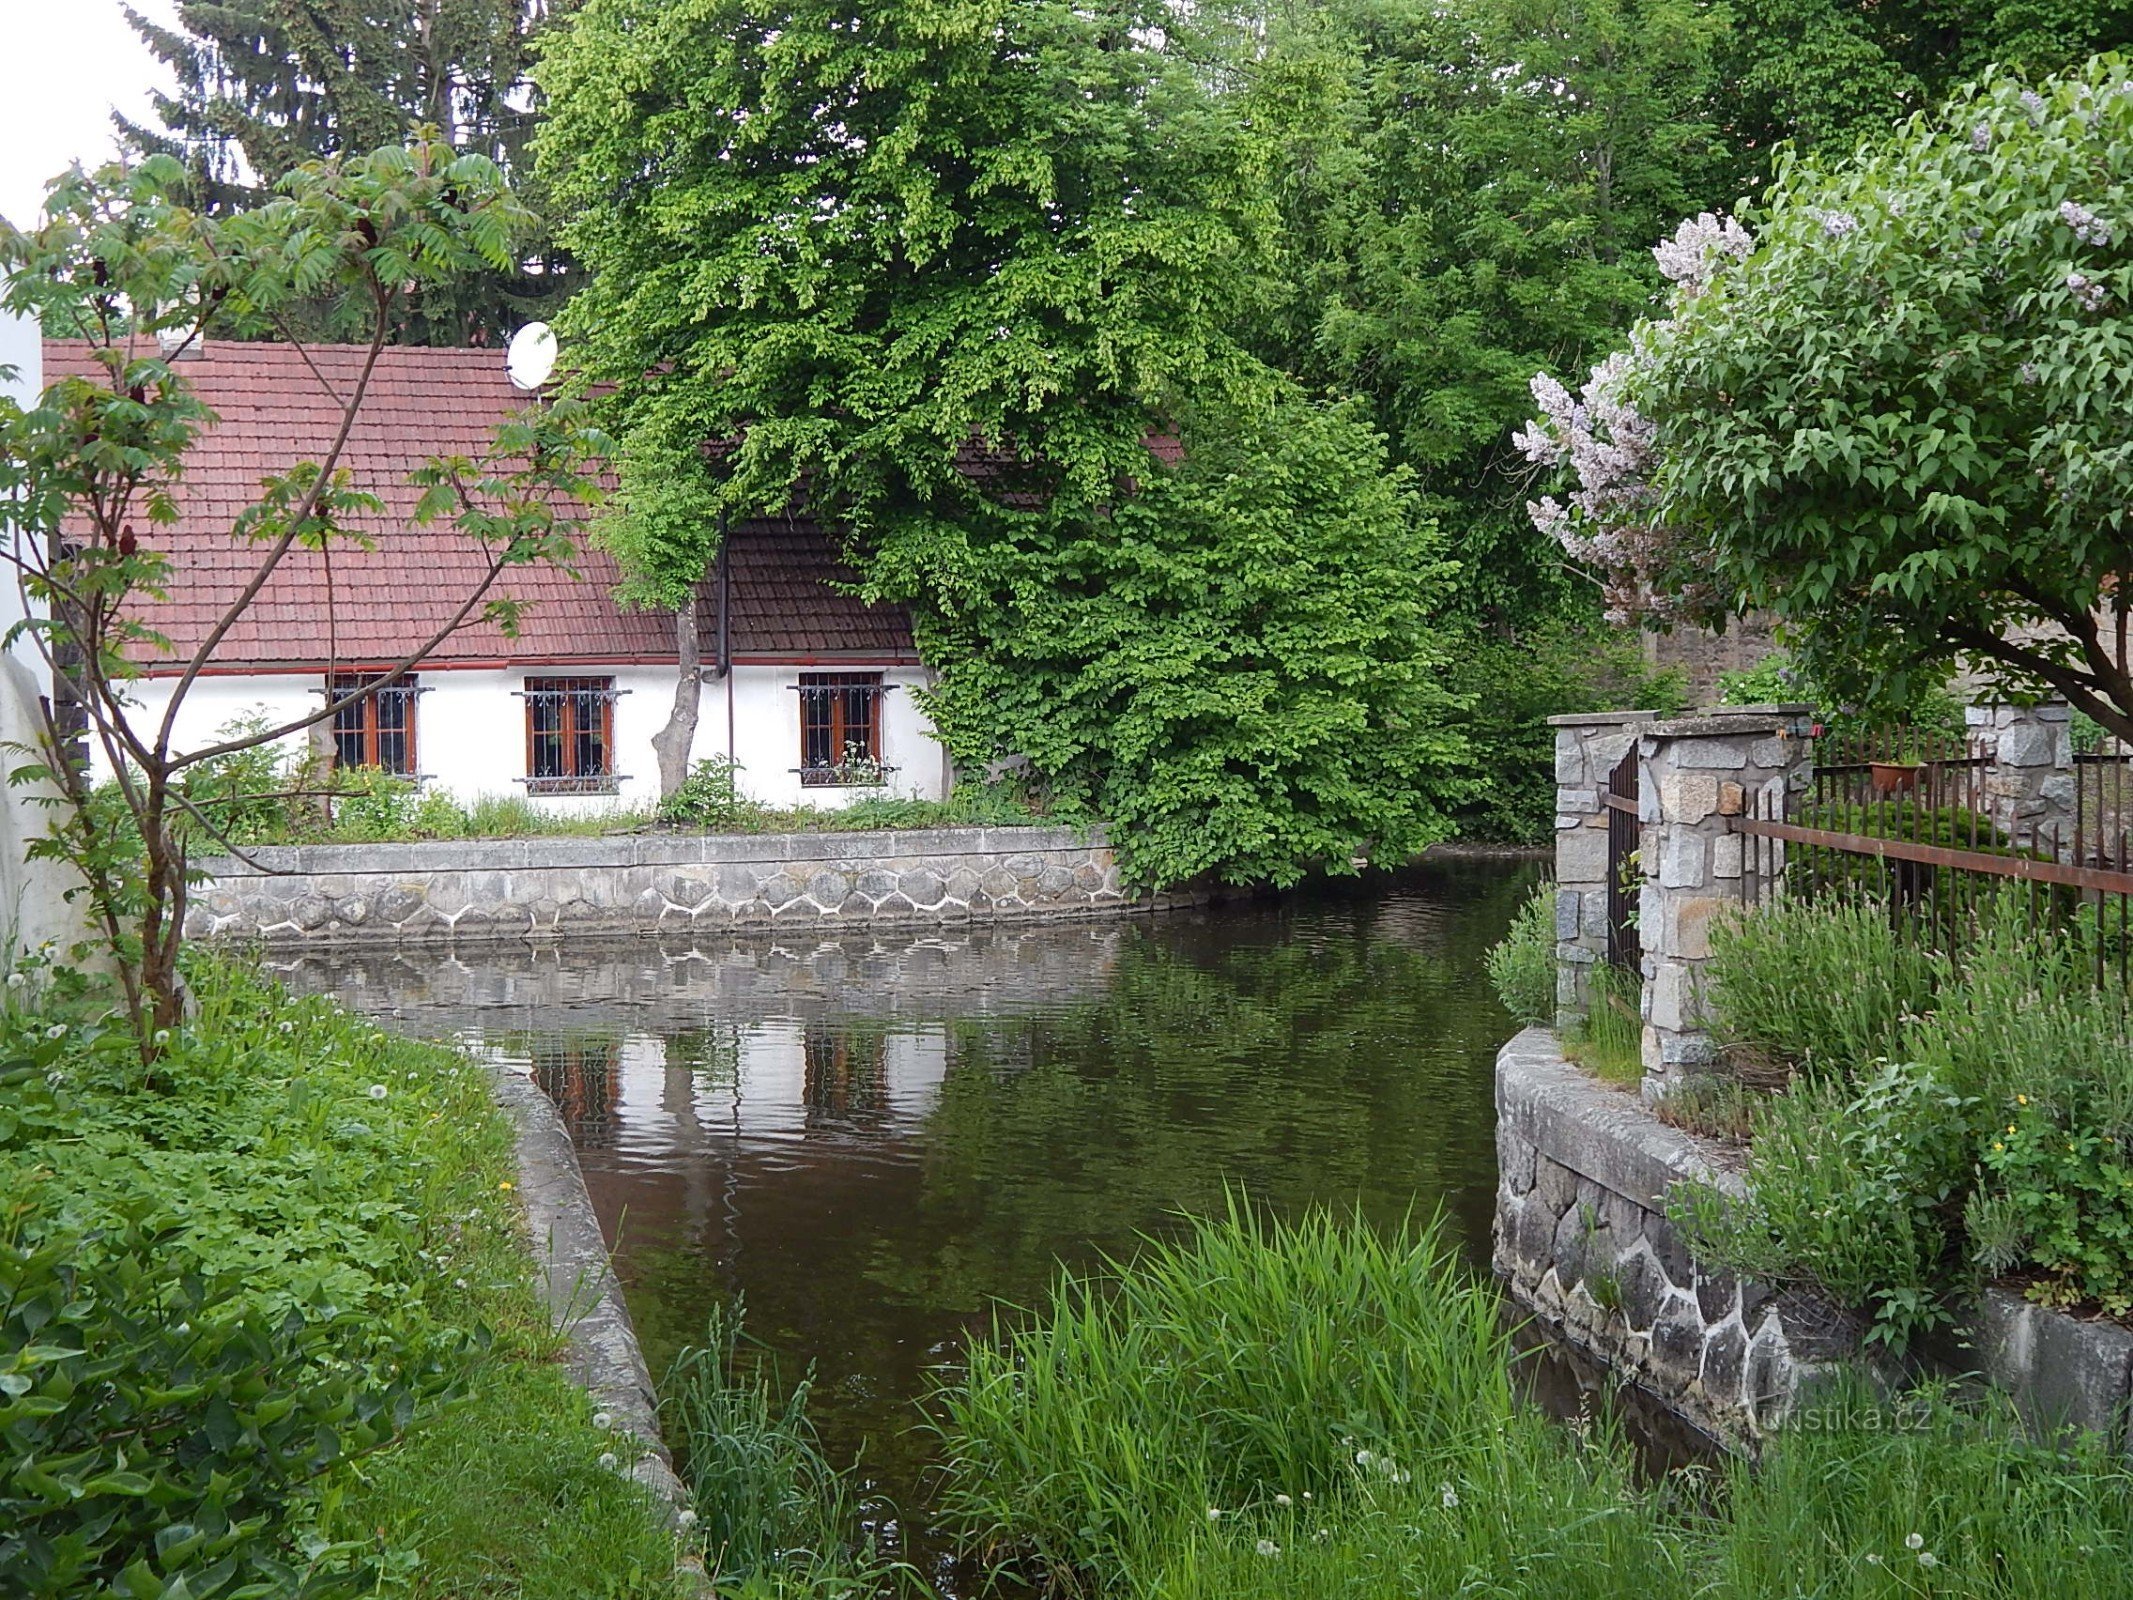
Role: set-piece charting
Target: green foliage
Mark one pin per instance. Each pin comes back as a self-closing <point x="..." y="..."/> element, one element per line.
<point x="1932" y="711"/>
<point x="1608" y="1039"/>
<point x="1139" y="1433"/>
<point x="1313" y="1411"/>
<point x="1466" y="193"/>
<point x="263" y="87"/>
<point x="709" y="797"/>
<point x="1514" y="679"/>
<point x="1822" y="985"/>
<point x="306" y="1243"/>
<point x="772" y="1512"/>
<point x="1235" y="670"/>
<point x="1958" y="1115"/>
<point x="963" y="318"/>
<point x="159" y="1425"/>
<point x="1522" y="965"/>
<point x="1891" y="424"/>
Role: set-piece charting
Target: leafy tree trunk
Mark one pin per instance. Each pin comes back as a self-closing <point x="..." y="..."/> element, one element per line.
<point x="674" y="742"/>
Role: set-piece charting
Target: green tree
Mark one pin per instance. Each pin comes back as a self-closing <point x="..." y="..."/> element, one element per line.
<point x="266" y="85"/>
<point x="1828" y="72"/>
<point x="949" y="275"/>
<point x="1467" y="192"/>
<point x="119" y="260"/>
<point x="1894" y="417"/>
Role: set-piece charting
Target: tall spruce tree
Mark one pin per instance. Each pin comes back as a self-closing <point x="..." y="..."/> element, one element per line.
<point x="265" y="85"/>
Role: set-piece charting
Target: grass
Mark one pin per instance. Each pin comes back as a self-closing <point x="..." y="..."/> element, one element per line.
<point x="773" y="1515"/>
<point x="1608" y="1041"/>
<point x="1314" y="1409"/>
<point x="330" y="1163"/>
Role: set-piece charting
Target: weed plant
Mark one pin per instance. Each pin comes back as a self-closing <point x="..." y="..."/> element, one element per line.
<point x="1959" y="1118"/>
<point x="1522" y="964"/>
<point x="1608" y="1040"/>
<point x="339" y="1180"/>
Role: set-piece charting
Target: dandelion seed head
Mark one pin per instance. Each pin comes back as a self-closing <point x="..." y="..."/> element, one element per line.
<point x="610" y="1460"/>
<point x="1914" y="1541"/>
<point x="603" y="1419"/>
<point x="1927" y="1558"/>
<point x="1447" y="1496"/>
<point x="377" y="1091"/>
<point x="1214" y="1513"/>
<point x="1267" y="1547"/>
<point x="1283" y="1500"/>
<point x="685" y="1520"/>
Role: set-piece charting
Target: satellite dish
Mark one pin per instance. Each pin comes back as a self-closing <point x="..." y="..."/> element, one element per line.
<point x="531" y="356"/>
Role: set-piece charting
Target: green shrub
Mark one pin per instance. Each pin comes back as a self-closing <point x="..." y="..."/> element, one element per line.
<point x="709" y="797"/>
<point x="1849" y="1189"/>
<point x="157" y="1424"/>
<point x="1823" y="984"/>
<point x="1522" y="964"/>
<point x="371" y="804"/>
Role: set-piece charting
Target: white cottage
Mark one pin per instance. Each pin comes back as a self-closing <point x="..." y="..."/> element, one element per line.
<point x="806" y="688"/>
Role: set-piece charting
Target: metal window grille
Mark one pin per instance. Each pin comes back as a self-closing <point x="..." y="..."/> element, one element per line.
<point x="377" y="730"/>
<point x="840" y="730"/>
<point x="570" y="735"/>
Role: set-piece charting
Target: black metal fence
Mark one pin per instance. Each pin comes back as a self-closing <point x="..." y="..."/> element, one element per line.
<point x="1926" y="824"/>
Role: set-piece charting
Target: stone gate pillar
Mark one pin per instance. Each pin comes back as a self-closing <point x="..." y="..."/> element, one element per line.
<point x="1587" y="749"/>
<point x="2029" y="786"/>
<point x="1698" y="774"/>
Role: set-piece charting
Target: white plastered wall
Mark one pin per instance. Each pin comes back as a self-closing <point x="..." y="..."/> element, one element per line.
<point x="470" y="729"/>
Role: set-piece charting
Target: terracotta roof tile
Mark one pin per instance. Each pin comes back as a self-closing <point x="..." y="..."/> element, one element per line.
<point x="363" y="607"/>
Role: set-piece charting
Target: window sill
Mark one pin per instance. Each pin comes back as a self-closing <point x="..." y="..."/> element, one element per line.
<point x="572" y="786"/>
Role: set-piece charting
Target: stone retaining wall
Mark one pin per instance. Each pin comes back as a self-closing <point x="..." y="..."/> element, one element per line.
<point x="1583" y="1242"/>
<point x="319" y="896"/>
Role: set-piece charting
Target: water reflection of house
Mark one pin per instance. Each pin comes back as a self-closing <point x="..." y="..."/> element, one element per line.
<point x="583" y="1078"/>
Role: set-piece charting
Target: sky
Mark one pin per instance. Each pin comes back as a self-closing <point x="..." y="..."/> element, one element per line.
<point x="64" y="64"/>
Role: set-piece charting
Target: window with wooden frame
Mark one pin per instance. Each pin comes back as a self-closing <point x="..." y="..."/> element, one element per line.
<point x="840" y="729"/>
<point x="570" y="736"/>
<point x="377" y="730"/>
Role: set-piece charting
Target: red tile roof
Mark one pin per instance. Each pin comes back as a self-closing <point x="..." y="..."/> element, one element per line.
<point x="370" y="607"/>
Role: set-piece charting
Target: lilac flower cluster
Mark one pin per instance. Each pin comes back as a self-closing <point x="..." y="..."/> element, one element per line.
<point x="1608" y="520"/>
<point x="1698" y="246"/>
<point x="2088" y="227"/>
<point x="2087" y="292"/>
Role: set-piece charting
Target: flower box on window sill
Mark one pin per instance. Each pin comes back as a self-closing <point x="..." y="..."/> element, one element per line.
<point x="608" y="785"/>
<point x="846" y="775"/>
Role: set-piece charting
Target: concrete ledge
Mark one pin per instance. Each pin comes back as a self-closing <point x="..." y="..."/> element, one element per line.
<point x="585" y="1303"/>
<point x="309" y="897"/>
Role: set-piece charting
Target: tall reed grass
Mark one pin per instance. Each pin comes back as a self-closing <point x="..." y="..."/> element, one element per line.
<point x="775" y="1517"/>
<point x="1313" y="1410"/>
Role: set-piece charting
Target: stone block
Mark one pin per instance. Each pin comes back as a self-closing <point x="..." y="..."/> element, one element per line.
<point x="1732" y="799"/>
<point x="1593" y="918"/>
<point x="827" y="888"/>
<point x="1774" y="753"/>
<point x="1677" y="1344"/>
<point x="2028" y="745"/>
<point x="1581" y="856"/>
<point x="1566" y="914"/>
<point x="2061" y="1370"/>
<point x="1570" y="770"/>
<point x="1727" y="855"/>
<point x="1725" y="1364"/>
<point x="1717" y="755"/>
<point x="1693" y="916"/>
<point x="875" y="883"/>
<point x="1669" y="999"/>
<point x="920" y="887"/>
<point x="1684" y="859"/>
<point x="1687" y="797"/>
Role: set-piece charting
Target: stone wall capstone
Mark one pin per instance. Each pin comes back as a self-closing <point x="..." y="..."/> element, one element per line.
<point x="317" y="896"/>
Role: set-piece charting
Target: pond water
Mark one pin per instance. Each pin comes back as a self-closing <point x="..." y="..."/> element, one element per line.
<point x="876" y="1140"/>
